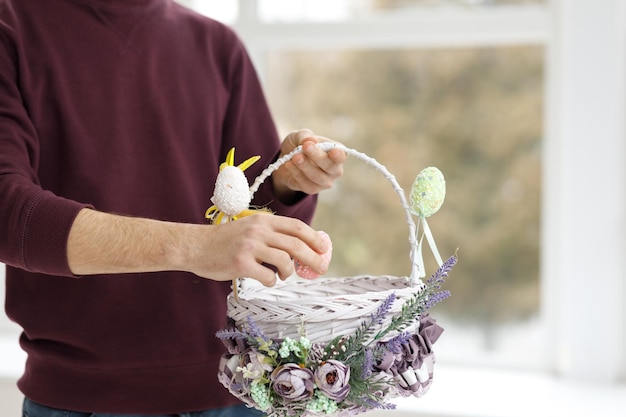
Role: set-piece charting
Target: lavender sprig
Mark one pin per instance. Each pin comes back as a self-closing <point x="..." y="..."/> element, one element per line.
<point x="437" y="278"/>
<point x="383" y="310"/>
<point x="255" y="331"/>
<point x="419" y="303"/>
<point x="232" y="333"/>
<point x="363" y="335"/>
<point x="253" y="334"/>
<point x="394" y="345"/>
<point x="436" y="298"/>
<point x="368" y="363"/>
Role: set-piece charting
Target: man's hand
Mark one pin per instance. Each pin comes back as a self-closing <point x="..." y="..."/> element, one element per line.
<point x="260" y="246"/>
<point x="309" y="172"/>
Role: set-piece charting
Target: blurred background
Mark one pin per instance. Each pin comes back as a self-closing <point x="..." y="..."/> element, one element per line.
<point x="521" y="104"/>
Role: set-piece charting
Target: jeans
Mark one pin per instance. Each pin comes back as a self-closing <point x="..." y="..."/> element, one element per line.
<point x="32" y="409"/>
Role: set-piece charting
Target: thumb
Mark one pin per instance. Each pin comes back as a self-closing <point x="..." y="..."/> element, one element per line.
<point x="295" y="139"/>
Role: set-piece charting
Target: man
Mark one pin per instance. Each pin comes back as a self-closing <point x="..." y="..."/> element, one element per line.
<point x="114" y="118"/>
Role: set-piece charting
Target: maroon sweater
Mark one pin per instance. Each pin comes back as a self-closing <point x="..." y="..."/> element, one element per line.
<point x="127" y="106"/>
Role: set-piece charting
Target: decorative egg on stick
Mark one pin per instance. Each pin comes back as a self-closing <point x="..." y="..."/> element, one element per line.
<point x="428" y="192"/>
<point x="427" y="195"/>
<point x="231" y="196"/>
<point x="231" y="201"/>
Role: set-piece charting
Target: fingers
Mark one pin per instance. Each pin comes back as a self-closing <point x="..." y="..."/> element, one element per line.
<point x="312" y="170"/>
<point x="264" y="274"/>
<point x="296" y="240"/>
<point x="259" y="247"/>
<point x="330" y="162"/>
<point x="295" y="139"/>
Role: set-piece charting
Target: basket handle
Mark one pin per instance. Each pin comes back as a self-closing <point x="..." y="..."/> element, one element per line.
<point x="327" y="146"/>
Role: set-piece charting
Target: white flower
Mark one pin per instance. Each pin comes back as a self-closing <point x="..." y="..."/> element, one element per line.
<point x="256" y="366"/>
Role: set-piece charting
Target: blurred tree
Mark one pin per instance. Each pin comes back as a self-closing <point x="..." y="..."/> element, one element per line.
<point x="474" y="113"/>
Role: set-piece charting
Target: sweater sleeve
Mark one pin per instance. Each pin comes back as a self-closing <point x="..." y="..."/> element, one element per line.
<point x="34" y="223"/>
<point x="249" y="127"/>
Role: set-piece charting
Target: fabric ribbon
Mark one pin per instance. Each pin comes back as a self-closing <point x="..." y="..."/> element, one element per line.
<point x="431" y="243"/>
<point x="232" y="379"/>
<point x="412" y="367"/>
<point x="235" y="346"/>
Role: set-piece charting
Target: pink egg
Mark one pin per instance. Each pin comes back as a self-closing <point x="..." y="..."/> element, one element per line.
<point x="304" y="271"/>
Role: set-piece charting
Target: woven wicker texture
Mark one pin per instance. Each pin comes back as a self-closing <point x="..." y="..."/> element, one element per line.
<point x="325" y="307"/>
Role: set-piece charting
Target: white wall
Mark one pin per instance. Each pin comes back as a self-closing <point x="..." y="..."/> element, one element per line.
<point x="585" y="190"/>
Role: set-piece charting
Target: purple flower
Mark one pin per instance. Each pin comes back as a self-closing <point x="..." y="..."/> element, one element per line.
<point x="437" y="278"/>
<point x="292" y="382"/>
<point x="255" y="331"/>
<point x="383" y="309"/>
<point x="368" y="364"/>
<point x="395" y="344"/>
<point x="436" y="298"/>
<point x="332" y="379"/>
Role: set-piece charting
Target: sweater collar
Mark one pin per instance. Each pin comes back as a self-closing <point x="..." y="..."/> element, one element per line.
<point x="123" y="5"/>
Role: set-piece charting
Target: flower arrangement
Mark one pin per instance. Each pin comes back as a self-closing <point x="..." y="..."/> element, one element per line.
<point x="345" y="376"/>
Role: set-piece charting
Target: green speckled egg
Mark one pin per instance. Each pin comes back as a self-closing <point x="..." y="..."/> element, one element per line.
<point x="428" y="192"/>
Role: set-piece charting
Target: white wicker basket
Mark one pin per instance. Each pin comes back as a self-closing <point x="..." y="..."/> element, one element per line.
<point x="327" y="306"/>
<point x="323" y="310"/>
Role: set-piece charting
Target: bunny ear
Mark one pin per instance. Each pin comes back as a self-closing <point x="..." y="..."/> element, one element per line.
<point x="248" y="162"/>
<point x="230" y="159"/>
